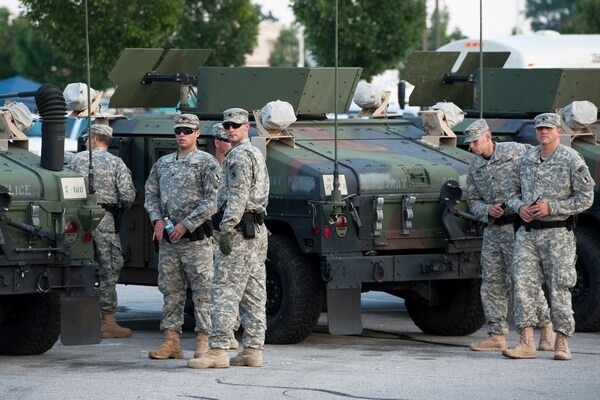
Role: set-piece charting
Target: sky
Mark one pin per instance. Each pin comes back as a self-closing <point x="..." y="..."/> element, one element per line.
<point x="499" y="16"/>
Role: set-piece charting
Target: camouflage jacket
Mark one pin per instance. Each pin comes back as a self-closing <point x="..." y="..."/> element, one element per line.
<point x="563" y="180"/>
<point x="245" y="186"/>
<point x="488" y="180"/>
<point x="183" y="189"/>
<point x="112" y="178"/>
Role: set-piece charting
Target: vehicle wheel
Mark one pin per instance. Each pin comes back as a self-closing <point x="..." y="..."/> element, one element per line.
<point x="294" y="292"/>
<point x="29" y="323"/>
<point x="586" y="293"/>
<point x="458" y="313"/>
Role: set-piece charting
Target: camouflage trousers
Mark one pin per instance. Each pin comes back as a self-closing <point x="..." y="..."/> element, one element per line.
<point x="240" y="284"/>
<point x="107" y="245"/>
<point x="180" y="264"/>
<point x="215" y="237"/>
<point x="545" y="255"/>
<point x="496" y="289"/>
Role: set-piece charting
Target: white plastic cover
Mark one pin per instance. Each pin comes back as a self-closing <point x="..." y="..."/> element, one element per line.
<point x="454" y="115"/>
<point x="368" y="95"/>
<point x="580" y="114"/>
<point x="76" y="96"/>
<point x="277" y="115"/>
<point x="21" y="115"/>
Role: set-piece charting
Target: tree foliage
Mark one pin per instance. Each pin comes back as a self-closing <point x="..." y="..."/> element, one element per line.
<point x="25" y="52"/>
<point x="549" y="14"/>
<point x="374" y="35"/>
<point x="285" y="52"/>
<point x="229" y="27"/>
<point x="113" y="26"/>
<point x="585" y="18"/>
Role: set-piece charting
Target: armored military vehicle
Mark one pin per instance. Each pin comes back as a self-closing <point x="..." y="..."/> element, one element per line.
<point x="383" y="227"/>
<point x="509" y="99"/>
<point x="47" y="271"/>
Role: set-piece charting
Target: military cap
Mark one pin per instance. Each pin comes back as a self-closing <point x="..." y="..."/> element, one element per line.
<point x="99" y="129"/>
<point x="236" y="115"/>
<point x="219" y="132"/>
<point x="548" y="120"/>
<point x="187" y="121"/>
<point x="475" y="130"/>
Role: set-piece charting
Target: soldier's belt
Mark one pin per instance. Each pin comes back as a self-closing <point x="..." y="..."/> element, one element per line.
<point x="568" y="223"/>
<point x="505" y="220"/>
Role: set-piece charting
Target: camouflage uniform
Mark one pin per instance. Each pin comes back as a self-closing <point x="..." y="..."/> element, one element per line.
<point x="487" y="182"/>
<point x="184" y="190"/>
<point x="564" y="182"/>
<point x="114" y="187"/>
<point x="240" y="277"/>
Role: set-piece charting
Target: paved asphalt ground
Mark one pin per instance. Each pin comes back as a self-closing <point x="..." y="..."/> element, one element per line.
<point x="392" y="359"/>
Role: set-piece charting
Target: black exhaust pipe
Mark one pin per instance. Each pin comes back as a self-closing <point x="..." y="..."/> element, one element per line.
<point x="52" y="109"/>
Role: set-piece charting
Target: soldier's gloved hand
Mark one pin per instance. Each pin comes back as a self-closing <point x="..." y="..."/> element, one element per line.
<point x="225" y="243"/>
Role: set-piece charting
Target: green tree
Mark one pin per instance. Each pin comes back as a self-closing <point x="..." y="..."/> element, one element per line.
<point x="374" y="35"/>
<point x="113" y="26"/>
<point x="585" y="18"/>
<point x="550" y="14"/>
<point x="31" y="56"/>
<point x="6" y="70"/>
<point x="285" y="51"/>
<point x="229" y="27"/>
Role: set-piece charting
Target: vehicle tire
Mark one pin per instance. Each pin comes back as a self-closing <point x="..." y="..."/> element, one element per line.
<point x="294" y="292"/>
<point x="586" y="293"/>
<point x="458" y="313"/>
<point x="29" y="323"/>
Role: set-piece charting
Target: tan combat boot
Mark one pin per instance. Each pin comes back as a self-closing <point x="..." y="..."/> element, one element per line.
<point x="547" y="338"/>
<point x="213" y="358"/>
<point x="201" y="344"/>
<point x="562" y="348"/>
<point x="248" y="357"/>
<point x="525" y="348"/>
<point x="493" y="342"/>
<point x="233" y="343"/>
<point x="111" y="329"/>
<point x="171" y="348"/>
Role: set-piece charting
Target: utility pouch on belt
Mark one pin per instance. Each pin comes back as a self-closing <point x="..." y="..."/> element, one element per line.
<point x="202" y="232"/>
<point x="248" y="228"/>
<point x="117" y="213"/>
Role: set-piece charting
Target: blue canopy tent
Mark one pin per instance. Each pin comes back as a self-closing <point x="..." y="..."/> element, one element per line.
<point x="18" y="84"/>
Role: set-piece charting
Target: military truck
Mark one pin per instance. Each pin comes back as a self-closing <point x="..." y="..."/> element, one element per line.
<point x="47" y="271"/>
<point x="383" y="227"/>
<point x="509" y="99"/>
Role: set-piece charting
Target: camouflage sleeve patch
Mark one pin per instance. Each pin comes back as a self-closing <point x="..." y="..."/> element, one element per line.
<point x="234" y="175"/>
<point x="582" y="174"/>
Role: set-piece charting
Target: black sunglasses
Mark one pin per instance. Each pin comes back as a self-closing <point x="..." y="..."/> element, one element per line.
<point x="233" y="125"/>
<point x="185" y="131"/>
<point x="223" y="139"/>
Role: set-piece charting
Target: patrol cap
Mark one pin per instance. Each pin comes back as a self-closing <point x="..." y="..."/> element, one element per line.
<point x="548" y="120"/>
<point x="219" y="132"/>
<point x="475" y="130"/>
<point x="187" y="121"/>
<point x="99" y="129"/>
<point x="236" y="115"/>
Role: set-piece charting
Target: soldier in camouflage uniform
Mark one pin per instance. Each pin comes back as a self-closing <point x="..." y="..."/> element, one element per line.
<point x="182" y="186"/>
<point x="550" y="185"/>
<point x="115" y="191"/>
<point x="240" y="275"/>
<point x="222" y="146"/>
<point x="487" y="182"/>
